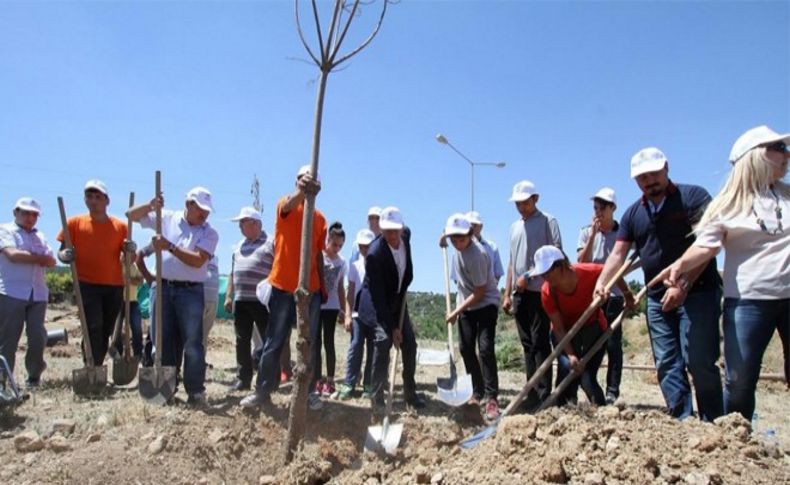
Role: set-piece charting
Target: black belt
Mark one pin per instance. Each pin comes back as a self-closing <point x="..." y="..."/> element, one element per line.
<point x="180" y="284"/>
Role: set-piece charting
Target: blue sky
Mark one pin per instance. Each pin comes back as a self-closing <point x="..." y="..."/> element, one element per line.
<point x="210" y="93"/>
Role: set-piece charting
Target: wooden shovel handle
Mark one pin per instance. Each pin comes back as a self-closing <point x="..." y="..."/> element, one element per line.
<point x="158" y="302"/>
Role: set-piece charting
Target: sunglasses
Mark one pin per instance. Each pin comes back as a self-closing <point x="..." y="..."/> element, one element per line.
<point x="779" y="146"/>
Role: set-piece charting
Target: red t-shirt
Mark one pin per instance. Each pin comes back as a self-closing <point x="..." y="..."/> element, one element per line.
<point x="287" y="248"/>
<point x="571" y="306"/>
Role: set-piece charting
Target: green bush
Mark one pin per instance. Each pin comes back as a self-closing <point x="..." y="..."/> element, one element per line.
<point x="60" y="285"/>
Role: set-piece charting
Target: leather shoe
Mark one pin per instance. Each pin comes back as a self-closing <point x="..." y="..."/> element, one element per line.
<point x="240" y="385"/>
<point x="416" y="401"/>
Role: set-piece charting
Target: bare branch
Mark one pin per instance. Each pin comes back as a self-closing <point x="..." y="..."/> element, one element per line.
<point x="367" y="41"/>
<point x="301" y="34"/>
<point x="299" y="59"/>
<point x="332" y="28"/>
<point x="345" y="31"/>
<point x="318" y="31"/>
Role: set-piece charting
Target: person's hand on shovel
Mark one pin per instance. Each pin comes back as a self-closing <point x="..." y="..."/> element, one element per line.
<point x="676" y="283"/>
<point x="575" y="363"/>
<point x="451" y="318"/>
<point x="66" y="255"/>
<point x="308" y="185"/>
<point x="159" y="242"/>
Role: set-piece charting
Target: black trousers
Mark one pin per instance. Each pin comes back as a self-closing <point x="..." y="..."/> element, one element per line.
<point x="245" y="315"/>
<point x="382" y="343"/>
<point x="323" y="331"/>
<point x="533" y="330"/>
<point x="101" y="303"/>
<point x="614" y="347"/>
<point x="477" y="328"/>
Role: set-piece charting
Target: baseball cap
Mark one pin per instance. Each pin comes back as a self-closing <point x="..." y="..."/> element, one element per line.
<point x="365" y="237"/>
<point x="96" y="184"/>
<point x="247" y="213"/>
<point x="523" y="191"/>
<point x="474" y="217"/>
<point x="28" y="204"/>
<point x="374" y="211"/>
<point x="760" y="135"/>
<point x="606" y="194"/>
<point x="646" y="160"/>
<point x="202" y="197"/>
<point x="545" y="256"/>
<point x="305" y="169"/>
<point x="457" y="224"/>
<point x="390" y="218"/>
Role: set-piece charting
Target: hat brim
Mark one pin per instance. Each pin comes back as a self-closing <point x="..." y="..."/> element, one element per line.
<point x="652" y="166"/>
<point x="456" y="231"/>
<point x="202" y="206"/>
<point x="387" y="225"/>
<point x="239" y="218"/>
<point x="95" y="187"/>
<point x="28" y="208"/>
<point x="520" y="197"/>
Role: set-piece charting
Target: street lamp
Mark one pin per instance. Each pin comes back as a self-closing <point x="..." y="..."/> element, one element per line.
<point x="444" y="141"/>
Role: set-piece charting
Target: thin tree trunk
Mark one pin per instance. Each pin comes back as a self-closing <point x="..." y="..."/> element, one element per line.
<point x="297" y="416"/>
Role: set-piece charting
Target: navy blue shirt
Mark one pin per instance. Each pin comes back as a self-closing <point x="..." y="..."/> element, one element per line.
<point x="662" y="237"/>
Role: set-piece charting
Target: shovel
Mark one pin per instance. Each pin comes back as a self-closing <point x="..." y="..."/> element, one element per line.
<point x="546" y="365"/>
<point x="452" y="390"/>
<point x="158" y="384"/>
<point x="90" y="380"/>
<point x="387" y="436"/>
<point x="590" y="354"/>
<point x="124" y="367"/>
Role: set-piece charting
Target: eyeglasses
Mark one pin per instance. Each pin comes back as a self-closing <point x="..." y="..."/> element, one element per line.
<point x="779" y="146"/>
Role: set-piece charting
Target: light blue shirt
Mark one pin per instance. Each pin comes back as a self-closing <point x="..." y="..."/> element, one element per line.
<point x="24" y="281"/>
<point x="178" y="231"/>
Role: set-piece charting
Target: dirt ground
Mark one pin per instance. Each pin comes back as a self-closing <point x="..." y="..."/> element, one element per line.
<point x="55" y="437"/>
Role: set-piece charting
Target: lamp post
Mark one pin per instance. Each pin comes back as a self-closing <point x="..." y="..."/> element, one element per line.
<point x="444" y="141"/>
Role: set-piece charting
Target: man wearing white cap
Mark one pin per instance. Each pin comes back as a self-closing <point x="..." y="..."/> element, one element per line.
<point x="522" y="292"/>
<point x="251" y="264"/>
<point x="596" y="242"/>
<point x="388" y="274"/>
<point x="284" y="279"/>
<point x="187" y="243"/>
<point x="99" y="241"/>
<point x="683" y="320"/>
<point x="24" y="254"/>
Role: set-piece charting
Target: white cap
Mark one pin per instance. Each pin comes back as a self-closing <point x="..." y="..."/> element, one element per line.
<point x="365" y="237"/>
<point x="761" y="135"/>
<point x="247" y="213"/>
<point x="545" y="256"/>
<point x="305" y="169"/>
<point x="202" y="197"/>
<point x="390" y="218"/>
<point x="523" y="191"/>
<point x="474" y="217"/>
<point x="606" y="194"/>
<point x="28" y="204"/>
<point x="374" y="211"/>
<point x="457" y="225"/>
<point x="646" y="160"/>
<point x="96" y="184"/>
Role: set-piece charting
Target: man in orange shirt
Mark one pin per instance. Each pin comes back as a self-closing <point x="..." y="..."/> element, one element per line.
<point x="99" y="241"/>
<point x="284" y="279"/>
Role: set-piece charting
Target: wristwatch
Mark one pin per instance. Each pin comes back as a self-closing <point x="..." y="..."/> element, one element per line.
<point x="172" y="247"/>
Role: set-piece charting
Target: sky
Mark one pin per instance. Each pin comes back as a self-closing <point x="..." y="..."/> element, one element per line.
<point x="214" y="93"/>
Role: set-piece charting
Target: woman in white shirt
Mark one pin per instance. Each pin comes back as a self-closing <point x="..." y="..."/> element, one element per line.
<point x="745" y="219"/>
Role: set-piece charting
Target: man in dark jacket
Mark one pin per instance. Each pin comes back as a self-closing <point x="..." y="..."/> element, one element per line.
<point x="388" y="273"/>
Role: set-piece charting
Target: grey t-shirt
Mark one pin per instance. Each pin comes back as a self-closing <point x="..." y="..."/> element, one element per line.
<point x="603" y="243"/>
<point x="526" y="236"/>
<point x="473" y="268"/>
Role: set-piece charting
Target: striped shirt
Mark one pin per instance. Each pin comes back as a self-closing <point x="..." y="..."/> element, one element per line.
<point x="252" y="263"/>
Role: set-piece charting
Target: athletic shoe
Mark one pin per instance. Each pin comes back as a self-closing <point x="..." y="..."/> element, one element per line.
<point x="327" y="389"/>
<point x="492" y="409"/>
<point x="344" y="391"/>
<point x="366" y="391"/>
<point x="314" y="401"/>
<point x="255" y="400"/>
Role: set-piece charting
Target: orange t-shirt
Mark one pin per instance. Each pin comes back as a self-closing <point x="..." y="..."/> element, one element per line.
<point x="98" y="247"/>
<point x="573" y="305"/>
<point x="287" y="248"/>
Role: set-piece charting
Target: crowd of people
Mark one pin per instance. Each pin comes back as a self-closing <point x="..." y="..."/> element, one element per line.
<point x="676" y="229"/>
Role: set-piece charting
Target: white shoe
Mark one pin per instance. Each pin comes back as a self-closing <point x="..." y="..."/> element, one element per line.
<point x="255" y="400"/>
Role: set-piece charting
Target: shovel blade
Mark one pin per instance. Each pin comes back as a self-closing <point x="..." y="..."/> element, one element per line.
<point x="157" y="384"/>
<point x="124" y="370"/>
<point x="474" y="440"/>
<point x="433" y="357"/>
<point x="454" y="395"/>
<point x="380" y="440"/>
<point x="89" y="381"/>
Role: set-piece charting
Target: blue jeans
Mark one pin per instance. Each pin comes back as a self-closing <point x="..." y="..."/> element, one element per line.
<point x="748" y="328"/>
<point x="282" y="311"/>
<point x="361" y="339"/>
<point x="182" y="330"/>
<point x="688" y="338"/>
<point x="581" y="344"/>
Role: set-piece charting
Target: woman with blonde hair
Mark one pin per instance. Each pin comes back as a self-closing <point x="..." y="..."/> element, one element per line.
<point x="745" y="219"/>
